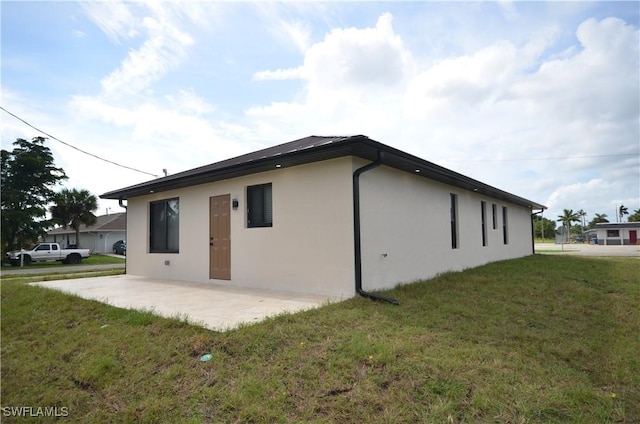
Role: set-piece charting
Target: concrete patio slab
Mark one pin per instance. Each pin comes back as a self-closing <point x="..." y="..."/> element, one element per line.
<point x="213" y="306"/>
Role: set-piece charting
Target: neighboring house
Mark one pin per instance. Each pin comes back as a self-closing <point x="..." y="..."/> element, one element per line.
<point x="612" y="233"/>
<point x="326" y="215"/>
<point x="98" y="237"/>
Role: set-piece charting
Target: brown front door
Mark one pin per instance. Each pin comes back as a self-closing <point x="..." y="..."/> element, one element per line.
<point x="220" y="237"/>
<point x="633" y="236"/>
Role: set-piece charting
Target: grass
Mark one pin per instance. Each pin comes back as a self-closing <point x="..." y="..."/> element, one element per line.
<point x="555" y="251"/>
<point x="95" y="259"/>
<point x="543" y="339"/>
<point x="539" y="240"/>
<point x="61" y="275"/>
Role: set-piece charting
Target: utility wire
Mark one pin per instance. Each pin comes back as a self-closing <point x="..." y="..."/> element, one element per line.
<point x="74" y="147"/>
<point x="453" y="160"/>
<point x="557" y="158"/>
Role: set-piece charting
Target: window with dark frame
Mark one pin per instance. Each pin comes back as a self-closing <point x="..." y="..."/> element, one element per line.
<point x="613" y="233"/>
<point x="454" y="220"/>
<point x="494" y="210"/>
<point x="505" y="225"/>
<point x="483" y="217"/>
<point x="259" y="206"/>
<point x="164" y="226"/>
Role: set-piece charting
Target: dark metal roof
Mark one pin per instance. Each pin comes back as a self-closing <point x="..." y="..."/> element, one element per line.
<point x="315" y="149"/>
<point x="616" y="225"/>
<point x="104" y="223"/>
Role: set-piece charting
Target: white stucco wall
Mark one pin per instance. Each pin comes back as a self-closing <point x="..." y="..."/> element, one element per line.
<point x="406" y="229"/>
<point x="310" y="246"/>
<point x="308" y="249"/>
<point x="623" y="238"/>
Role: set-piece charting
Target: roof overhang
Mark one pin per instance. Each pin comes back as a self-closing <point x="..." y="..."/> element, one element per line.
<point x="616" y="225"/>
<point x="315" y="149"/>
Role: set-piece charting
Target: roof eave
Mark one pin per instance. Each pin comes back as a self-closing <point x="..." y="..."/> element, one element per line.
<point x="359" y="146"/>
<point x="190" y="178"/>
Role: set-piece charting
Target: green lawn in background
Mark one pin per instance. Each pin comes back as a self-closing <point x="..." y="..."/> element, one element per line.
<point x="95" y="259"/>
<point x="543" y="339"/>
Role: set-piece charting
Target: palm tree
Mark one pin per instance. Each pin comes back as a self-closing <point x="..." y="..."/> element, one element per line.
<point x="623" y="211"/>
<point x="73" y="208"/>
<point x="582" y="214"/>
<point x="635" y="216"/>
<point x="568" y="216"/>
<point x="598" y="218"/>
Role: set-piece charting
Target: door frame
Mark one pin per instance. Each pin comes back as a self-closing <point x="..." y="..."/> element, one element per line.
<point x="220" y="238"/>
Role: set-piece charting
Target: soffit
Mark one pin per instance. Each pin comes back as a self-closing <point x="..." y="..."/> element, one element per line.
<point x="315" y="149"/>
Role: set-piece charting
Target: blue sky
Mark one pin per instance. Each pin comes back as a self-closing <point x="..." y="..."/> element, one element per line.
<point x="541" y="99"/>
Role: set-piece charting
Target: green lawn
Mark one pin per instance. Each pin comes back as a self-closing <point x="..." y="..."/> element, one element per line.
<point x="95" y="259"/>
<point x="544" y="339"/>
<point x="556" y="251"/>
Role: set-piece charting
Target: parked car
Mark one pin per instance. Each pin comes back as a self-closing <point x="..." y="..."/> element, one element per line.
<point x="120" y="247"/>
<point x="46" y="252"/>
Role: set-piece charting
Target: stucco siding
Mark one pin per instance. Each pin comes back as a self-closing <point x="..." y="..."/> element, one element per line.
<point x="623" y="237"/>
<point x="308" y="249"/>
<point x="406" y="228"/>
<point x="97" y="242"/>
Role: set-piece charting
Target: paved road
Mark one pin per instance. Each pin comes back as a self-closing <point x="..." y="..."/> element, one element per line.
<point x="63" y="268"/>
<point x="587" y="249"/>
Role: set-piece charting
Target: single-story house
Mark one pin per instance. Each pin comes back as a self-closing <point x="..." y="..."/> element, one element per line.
<point x="615" y="233"/>
<point x="328" y="215"/>
<point x="98" y="237"/>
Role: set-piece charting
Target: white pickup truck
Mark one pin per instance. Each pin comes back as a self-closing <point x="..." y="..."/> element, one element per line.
<point x="45" y="252"/>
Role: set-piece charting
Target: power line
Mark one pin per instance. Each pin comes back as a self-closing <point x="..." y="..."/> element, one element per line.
<point x="76" y="148"/>
<point x="460" y="160"/>
<point x="556" y="158"/>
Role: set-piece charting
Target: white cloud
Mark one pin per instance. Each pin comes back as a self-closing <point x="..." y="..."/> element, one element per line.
<point x="347" y="77"/>
<point x="284" y="25"/>
<point x="188" y="102"/>
<point x="299" y="33"/>
<point x="279" y="74"/>
<point x="593" y="85"/>
<point x="481" y="105"/>
<point x="350" y="58"/>
<point x="592" y="197"/>
<point x="357" y="57"/>
<point x="163" y="50"/>
<point x="579" y="195"/>
<point x="114" y="18"/>
<point x="506" y="100"/>
<point x="172" y="120"/>
<point x="468" y="79"/>
<point x="508" y="9"/>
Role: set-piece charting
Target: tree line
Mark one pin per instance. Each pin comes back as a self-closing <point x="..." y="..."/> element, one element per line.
<point x="544" y="227"/>
<point x="28" y="179"/>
